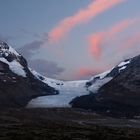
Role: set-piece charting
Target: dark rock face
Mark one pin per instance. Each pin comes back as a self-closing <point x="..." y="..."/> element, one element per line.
<point x="16" y="90"/>
<point x="120" y="96"/>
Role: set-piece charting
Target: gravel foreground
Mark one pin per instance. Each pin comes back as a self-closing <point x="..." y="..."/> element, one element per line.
<point x="64" y="124"/>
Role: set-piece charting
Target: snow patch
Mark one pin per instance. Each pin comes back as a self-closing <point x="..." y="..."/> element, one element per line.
<point x="51" y="82"/>
<point x="124" y="63"/>
<point x="122" y="68"/>
<point x="98" y="84"/>
<point x="15" y="67"/>
<point x="13" y="51"/>
<point x="104" y="74"/>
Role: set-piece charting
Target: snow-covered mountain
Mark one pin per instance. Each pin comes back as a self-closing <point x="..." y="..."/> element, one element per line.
<point x="17" y="83"/>
<point x="96" y="82"/>
<point x="28" y="84"/>
<point x="116" y="90"/>
<point x="70" y="90"/>
<point x="120" y="96"/>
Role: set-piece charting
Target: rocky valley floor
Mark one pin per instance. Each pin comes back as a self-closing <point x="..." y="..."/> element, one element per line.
<point x="64" y="124"/>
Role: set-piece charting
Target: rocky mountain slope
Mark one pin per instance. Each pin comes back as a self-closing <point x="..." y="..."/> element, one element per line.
<point x="17" y="83"/>
<point x="120" y="96"/>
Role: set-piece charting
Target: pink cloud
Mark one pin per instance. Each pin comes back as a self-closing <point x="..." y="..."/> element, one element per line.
<point x="120" y="26"/>
<point x="84" y="72"/>
<point x="84" y="15"/>
<point x="96" y="40"/>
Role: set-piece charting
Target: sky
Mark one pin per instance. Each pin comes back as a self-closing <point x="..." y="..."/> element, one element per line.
<point x="71" y="39"/>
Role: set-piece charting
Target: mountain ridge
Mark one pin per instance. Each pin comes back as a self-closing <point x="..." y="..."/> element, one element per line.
<point x="120" y="96"/>
<point x="17" y="84"/>
<point x="115" y="91"/>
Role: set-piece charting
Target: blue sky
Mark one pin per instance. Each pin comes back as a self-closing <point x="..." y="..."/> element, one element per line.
<point x="25" y="22"/>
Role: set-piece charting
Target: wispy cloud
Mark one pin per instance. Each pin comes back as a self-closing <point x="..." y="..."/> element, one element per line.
<point x="46" y="68"/>
<point x="43" y="66"/>
<point x="95" y="41"/>
<point x="29" y="49"/>
<point x="5" y="38"/>
<point x="84" y="73"/>
<point x="98" y="39"/>
<point x="95" y="8"/>
<point x="29" y="33"/>
<point x="130" y="41"/>
<point x="121" y="26"/>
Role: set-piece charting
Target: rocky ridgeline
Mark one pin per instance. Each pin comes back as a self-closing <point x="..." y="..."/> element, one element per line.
<point x="118" y="97"/>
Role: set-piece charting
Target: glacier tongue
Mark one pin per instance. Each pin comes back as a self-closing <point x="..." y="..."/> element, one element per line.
<point x="72" y="89"/>
<point x="67" y="92"/>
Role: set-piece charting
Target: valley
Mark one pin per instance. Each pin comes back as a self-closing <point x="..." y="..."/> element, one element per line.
<point x="65" y="123"/>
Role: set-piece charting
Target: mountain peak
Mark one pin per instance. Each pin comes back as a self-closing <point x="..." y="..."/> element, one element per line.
<point x="13" y="59"/>
<point x="4" y="45"/>
<point x="5" y="49"/>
